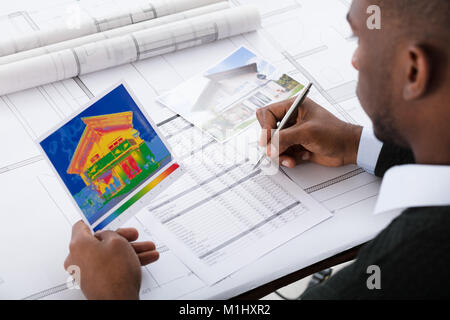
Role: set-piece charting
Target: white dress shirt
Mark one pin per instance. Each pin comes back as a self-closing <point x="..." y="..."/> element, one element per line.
<point x="404" y="186"/>
<point x="369" y="150"/>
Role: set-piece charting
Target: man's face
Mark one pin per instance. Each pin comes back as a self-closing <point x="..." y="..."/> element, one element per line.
<point x="375" y="60"/>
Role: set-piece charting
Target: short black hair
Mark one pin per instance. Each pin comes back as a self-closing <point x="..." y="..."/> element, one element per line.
<point x="424" y="18"/>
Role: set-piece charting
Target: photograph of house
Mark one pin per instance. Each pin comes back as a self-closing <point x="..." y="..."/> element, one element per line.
<point x="106" y="152"/>
<point x="223" y="100"/>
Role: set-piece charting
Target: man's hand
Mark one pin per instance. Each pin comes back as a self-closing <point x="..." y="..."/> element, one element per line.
<point x="314" y="134"/>
<point x="110" y="264"/>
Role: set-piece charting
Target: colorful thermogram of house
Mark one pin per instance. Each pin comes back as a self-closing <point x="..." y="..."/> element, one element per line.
<point x="112" y="160"/>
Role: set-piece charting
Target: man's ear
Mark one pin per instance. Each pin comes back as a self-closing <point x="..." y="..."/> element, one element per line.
<point x="418" y="70"/>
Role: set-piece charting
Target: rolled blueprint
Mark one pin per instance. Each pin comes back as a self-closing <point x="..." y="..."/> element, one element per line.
<point x="87" y="24"/>
<point x="132" y="47"/>
<point x="73" y="43"/>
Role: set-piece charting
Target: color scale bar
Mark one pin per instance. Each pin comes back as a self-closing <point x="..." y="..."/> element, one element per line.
<point x="136" y="197"/>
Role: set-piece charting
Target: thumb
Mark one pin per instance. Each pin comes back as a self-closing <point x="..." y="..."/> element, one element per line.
<point x="80" y="231"/>
<point x="287" y="138"/>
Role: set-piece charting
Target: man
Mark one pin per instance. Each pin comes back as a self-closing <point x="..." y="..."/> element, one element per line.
<point x="404" y="86"/>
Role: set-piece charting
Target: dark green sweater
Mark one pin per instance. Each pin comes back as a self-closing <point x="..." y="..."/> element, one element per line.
<point x="413" y="253"/>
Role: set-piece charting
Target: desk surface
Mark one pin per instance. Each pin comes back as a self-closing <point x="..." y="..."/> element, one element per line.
<point x="270" y="287"/>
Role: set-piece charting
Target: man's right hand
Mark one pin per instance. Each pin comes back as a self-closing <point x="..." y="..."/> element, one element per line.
<point x="314" y="134"/>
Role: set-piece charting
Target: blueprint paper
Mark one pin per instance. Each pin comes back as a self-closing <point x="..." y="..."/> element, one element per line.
<point x="81" y="23"/>
<point x="132" y="47"/>
<point x="73" y="43"/>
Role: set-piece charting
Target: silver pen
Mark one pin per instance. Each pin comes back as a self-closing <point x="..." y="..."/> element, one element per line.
<point x="294" y="107"/>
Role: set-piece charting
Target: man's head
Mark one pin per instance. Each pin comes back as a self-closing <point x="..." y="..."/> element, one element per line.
<point x="403" y="67"/>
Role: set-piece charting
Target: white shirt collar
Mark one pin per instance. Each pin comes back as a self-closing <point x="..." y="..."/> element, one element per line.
<point x="410" y="186"/>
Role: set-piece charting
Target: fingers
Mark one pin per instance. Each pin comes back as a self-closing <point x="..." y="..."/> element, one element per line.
<point x="294" y="156"/>
<point x="148" y="257"/>
<point x="107" y="235"/>
<point x="276" y="110"/>
<point x="269" y="116"/>
<point x="81" y="234"/>
<point x="67" y="262"/>
<point x="131" y="234"/>
<point x="80" y="231"/>
<point x="268" y="122"/>
<point x="146" y="252"/>
<point x="288" y="161"/>
<point x="288" y="138"/>
<point x="143" y="246"/>
<point x="291" y="160"/>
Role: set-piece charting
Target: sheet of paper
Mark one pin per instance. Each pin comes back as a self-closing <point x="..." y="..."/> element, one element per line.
<point x="222" y="215"/>
<point x="222" y="101"/>
<point x="131" y="47"/>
